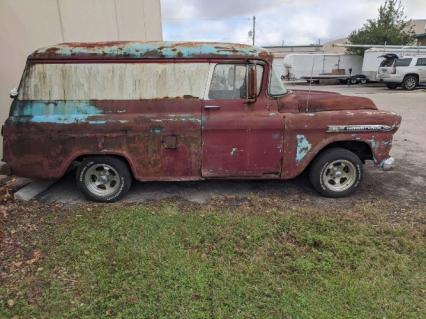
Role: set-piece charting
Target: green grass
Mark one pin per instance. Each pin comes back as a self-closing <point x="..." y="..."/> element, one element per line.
<point x="176" y="262"/>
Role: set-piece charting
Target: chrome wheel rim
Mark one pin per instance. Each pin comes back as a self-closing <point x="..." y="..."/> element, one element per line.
<point x="339" y="175"/>
<point x="102" y="180"/>
<point x="410" y="83"/>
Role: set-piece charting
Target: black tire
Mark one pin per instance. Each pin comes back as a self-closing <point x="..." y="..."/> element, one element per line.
<point x="410" y="82"/>
<point x="392" y="86"/>
<point x="321" y="165"/>
<point x="353" y="81"/>
<point x="119" y="170"/>
<point x="363" y="81"/>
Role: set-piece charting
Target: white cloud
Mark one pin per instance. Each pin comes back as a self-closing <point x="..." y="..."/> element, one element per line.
<point x="291" y="21"/>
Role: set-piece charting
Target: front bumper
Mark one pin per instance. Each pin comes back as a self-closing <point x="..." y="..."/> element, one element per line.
<point x="388" y="164"/>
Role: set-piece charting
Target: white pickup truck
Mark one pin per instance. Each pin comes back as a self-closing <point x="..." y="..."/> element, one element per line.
<point x="407" y="72"/>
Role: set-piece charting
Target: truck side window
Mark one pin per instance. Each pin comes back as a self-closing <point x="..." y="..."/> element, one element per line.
<point x="113" y="81"/>
<point x="229" y="82"/>
<point x="259" y="70"/>
<point x="403" y="62"/>
<point x="421" y="62"/>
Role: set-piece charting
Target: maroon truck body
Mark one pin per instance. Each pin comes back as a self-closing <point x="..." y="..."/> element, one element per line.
<point x="185" y="137"/>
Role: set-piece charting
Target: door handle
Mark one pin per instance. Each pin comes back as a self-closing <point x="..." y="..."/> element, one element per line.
<point x="212" y="107"/>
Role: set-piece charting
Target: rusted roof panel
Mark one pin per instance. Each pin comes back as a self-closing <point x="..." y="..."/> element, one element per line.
<point x="148" y="50"/>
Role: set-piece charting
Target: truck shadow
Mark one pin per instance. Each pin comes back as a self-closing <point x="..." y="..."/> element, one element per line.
<point x="65" y="190"/>
<point x="376" y="185"/>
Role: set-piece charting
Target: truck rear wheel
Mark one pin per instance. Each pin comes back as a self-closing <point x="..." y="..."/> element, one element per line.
<point x="353" y="80"/>
<point x="103" y="179"/>
<point x="336" y="172"/>
<point x="410" y="82"/>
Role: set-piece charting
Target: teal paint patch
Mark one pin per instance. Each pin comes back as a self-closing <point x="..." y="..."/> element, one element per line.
<point x="372" y="143"/>
<point x="303" y="147"/>
<point x="156" y="130"/>
<point x="97" y="122"/>
<point x="148" y="50"/>
<point x="58" y="112"/>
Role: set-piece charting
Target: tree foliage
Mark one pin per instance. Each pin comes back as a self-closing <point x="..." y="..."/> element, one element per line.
<point x="391" y="28"/>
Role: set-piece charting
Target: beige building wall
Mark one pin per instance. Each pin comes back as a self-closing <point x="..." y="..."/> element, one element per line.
<point x="26" y="25"/>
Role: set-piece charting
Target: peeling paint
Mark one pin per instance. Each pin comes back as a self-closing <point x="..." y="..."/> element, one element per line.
<point x="62" y="112"/>
<point x="155" y="130"/>
<point x="113" y="81"/>
<point x="178" y="119"/>
<point x="373" y="143"/>
<point x="98" y="122"/>
<point x="303" y="147"/>
<point x="147" y="50"/>
<point x="276" y="136"/>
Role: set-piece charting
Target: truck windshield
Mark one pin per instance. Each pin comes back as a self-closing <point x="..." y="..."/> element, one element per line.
<point x="276" y="86"/>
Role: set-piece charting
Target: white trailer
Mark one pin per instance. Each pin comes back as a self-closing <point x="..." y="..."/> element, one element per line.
<point x="373" y="58"/>
<point x="298" y="66"/>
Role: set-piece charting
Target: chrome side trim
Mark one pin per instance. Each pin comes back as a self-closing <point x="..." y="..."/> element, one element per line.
<point x="212" y="106"/>
<point x="359" y="128"/>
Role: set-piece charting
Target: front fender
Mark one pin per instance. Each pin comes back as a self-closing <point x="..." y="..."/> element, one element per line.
<point x="306" y="135"/>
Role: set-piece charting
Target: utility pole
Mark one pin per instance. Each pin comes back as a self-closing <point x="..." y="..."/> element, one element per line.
<point x="254" y="30"/>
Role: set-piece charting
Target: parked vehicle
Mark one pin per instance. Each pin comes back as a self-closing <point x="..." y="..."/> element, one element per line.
<point x="307" y="65"/>
<point x="407" y="72"/>
<point x="375" y="56"/>
<point x="184" y="111"/>
<point x="358" y="79"/>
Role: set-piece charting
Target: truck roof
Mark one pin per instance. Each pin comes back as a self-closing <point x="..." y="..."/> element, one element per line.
<point x="147" y="50"/>
<point x="421" y="56"/>
<point x="420" y="50"/>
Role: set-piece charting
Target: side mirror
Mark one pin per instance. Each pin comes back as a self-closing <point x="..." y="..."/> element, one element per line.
<point x="13" y="93"/>
<point x="252" y="83"/>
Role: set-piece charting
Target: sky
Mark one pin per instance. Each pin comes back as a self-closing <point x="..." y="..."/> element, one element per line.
<point x="288" y="22"/>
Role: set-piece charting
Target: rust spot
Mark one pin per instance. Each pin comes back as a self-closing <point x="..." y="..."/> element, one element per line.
<point x="152" y="50"/>
<point x="170" y="142"/>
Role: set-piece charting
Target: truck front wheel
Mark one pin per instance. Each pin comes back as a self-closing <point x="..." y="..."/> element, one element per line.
<point x="336" y="172"/>
<point x="103" y="178"/>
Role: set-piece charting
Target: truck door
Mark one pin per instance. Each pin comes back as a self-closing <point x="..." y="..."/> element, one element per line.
<point x="241" y="137"/>
<point x="421" y="69"/>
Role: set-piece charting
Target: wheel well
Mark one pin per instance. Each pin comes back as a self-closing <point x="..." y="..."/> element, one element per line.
<point x="361" y="149"/>
<point x="414" y="74"/>
<point x="81" y="158"/>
